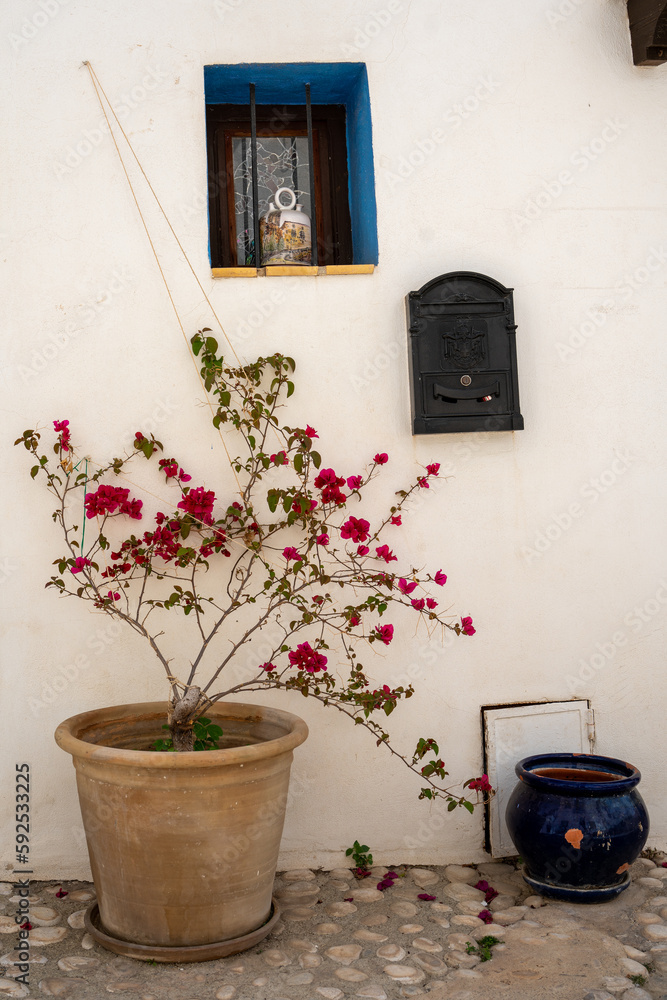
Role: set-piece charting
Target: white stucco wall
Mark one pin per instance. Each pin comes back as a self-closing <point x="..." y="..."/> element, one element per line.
<point x="554" y="538"/>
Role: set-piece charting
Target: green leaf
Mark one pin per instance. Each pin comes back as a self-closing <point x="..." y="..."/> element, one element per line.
<point x="317" y="459"/>
<point x="451" y="806"/>
<point x="298" y="463"/>
<point x="290" y="389"/>
<point x="225" y="398"/>
<point x="34" y="471"/>
<point x="469" y="806"/>
<point x="211" y="345"/>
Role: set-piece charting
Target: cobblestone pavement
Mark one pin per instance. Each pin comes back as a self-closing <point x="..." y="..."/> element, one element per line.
<point x="339" y="937"/>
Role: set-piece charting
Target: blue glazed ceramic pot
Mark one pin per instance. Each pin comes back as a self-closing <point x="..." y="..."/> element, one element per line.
<point x="578" y="822"/>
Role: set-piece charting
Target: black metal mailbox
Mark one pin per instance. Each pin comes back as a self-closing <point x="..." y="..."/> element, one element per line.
<point x="463" y="355"/>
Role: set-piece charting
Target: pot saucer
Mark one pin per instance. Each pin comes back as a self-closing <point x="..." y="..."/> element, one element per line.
<point x="185" y="953"/>
<point x="594" y="894"/>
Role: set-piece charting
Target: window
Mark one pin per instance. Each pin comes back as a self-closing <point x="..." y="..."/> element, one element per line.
<point x="282" y="161"/>
<point x="342" y="167"/>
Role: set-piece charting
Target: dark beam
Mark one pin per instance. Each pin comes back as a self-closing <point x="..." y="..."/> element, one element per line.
<point x="648" y="31"/>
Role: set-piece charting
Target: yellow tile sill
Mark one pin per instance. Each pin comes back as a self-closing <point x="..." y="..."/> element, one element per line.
<point x="280" y="271"/>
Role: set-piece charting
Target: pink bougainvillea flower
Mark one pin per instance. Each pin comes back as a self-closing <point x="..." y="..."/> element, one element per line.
<point x="361" y="873"/>
<point x="486" y="916"/>
<point x="433" y="469"/>
<point x="418" y="604"/>
<point x="466" y="626"/>
<point x="269" y="667"/>
<point x="354" y="482"/>
<point x="139" y="437"/>
<point x="381" y="458"/>
<point x="481" y="784"/>
<point x="198" y="503"/>
<point x="306" y="658"/>
<point x="291" y="553"/>
<point x="426" y="896"/>
<point x="387" y="881"/>
<point x="385" y="633"/>
<point x="489" y="892"/>
<point x="396" y="519"/>
<point x="302" y="505"/>
<point x="355" y="528"/>
<point x="311" y="432"/>
<point x="322" y="539"/>
<point x="171" y="468"/>
<point x="423" y="483"/>
<point x="384" y="552"/>
<point x="318" y="599"/>
<point x="430" y="603"/>
<point x="327" y="477"/>
<point x="331" y="494"/>
<point x="237" y="506"/>
<point x="405" y="587"/>
<point x="113" y="596"/>
<point x="62" y="893"/>
<point x="62" y="426"/>
<point x="109" y="499"/>
<point x="79" y="563"/>
<point x="328" y="482"/>
<point x="354" y="620"/>
<point x="440" y="578"/>
<point x="348" y="899"/>
<point x="362" y="550"/>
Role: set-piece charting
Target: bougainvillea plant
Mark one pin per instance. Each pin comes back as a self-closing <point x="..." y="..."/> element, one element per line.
<point x="288" y="558"/>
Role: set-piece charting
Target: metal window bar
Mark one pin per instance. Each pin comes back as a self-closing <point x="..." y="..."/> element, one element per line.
<point x="255" y="184"/>
<point x="311" y="159"/>
<point x="246" y="213"/>
<point x="255" y="180"/>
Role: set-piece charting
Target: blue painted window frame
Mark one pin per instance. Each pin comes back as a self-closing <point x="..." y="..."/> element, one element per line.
<point x="330" y="83"/>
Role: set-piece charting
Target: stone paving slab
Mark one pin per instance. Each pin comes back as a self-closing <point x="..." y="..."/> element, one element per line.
<point x="339" y="937"/>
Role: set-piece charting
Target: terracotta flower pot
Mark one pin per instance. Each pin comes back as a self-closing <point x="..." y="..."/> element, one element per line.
<point x="183" y="846"/>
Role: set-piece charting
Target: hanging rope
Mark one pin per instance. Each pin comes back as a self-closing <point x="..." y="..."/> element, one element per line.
<point x="157" y="259"/>
<point x="97" y="84"/>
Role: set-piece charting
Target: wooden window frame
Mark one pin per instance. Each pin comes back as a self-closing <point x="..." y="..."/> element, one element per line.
<point x="225" y="121"/>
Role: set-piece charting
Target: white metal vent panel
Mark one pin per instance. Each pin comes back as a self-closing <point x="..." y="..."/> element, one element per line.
<point x="517" y="731"/>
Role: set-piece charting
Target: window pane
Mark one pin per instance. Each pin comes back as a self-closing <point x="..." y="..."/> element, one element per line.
<point x="282" y="161"/>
